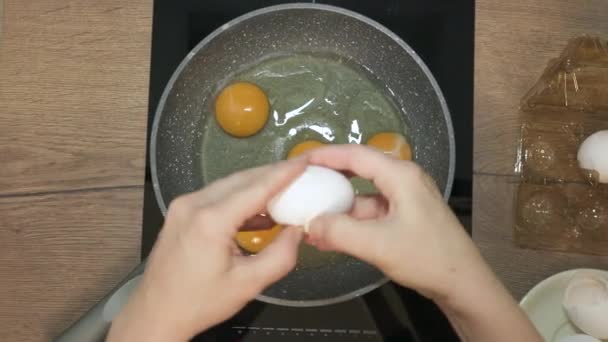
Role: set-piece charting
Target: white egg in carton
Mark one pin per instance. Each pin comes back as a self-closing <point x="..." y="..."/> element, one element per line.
<point x="593" y="155"/>
<point x="562" y="200"/>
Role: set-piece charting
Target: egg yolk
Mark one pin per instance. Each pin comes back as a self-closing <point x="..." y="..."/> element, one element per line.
<point x="255" y="241"/>
<point x="303" y="147"/>
<point x="392" y="144"/>
<point x="242" y="109"/>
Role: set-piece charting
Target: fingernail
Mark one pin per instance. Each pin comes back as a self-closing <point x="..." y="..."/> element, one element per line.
<point x="307" y="227"/>
<point x="312" y="225"/>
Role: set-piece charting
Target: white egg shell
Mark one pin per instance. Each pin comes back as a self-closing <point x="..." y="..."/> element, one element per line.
<point x="318" y="190"/>
<point x="586" y="304"/>
<point x="577" y="338"/>
<point x="593" y="154"/>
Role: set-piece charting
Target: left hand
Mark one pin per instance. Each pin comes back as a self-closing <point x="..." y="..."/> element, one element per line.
<point x="195" y="278"/>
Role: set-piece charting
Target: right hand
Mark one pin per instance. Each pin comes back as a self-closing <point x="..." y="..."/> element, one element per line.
<point x="408" y="231"/>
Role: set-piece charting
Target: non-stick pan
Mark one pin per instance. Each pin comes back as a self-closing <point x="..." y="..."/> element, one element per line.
<point x="175" y="151"/>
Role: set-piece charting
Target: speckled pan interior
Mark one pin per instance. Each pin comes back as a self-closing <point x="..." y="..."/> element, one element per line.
<point x="175" y="153"/>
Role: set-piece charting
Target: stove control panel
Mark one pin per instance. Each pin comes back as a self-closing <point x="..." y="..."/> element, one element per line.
<point x="269" y="334"/>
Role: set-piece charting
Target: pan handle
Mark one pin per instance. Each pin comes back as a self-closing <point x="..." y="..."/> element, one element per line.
<point x="93" y="326"/>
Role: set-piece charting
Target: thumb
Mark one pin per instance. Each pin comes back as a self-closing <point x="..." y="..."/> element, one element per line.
<point x="342" y="233"/>
<point x="277" y="259"/>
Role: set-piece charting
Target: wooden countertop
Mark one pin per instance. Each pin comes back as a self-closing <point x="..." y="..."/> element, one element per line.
<point x="73" y="114"/>
<point x="513" y="43"/>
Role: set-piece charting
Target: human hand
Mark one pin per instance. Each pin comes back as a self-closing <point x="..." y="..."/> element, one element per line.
<point x="408" y="231"/>
<point x="195" y="277"/>
<point x="413" y="237"/>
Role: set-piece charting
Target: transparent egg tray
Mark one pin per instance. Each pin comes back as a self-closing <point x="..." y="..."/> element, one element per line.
<point x="560" y="206"/>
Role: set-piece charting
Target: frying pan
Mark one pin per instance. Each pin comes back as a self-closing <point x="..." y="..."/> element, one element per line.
<point x="175" y="153"/>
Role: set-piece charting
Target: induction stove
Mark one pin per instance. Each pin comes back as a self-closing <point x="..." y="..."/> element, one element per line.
<point x="441" y="32"/>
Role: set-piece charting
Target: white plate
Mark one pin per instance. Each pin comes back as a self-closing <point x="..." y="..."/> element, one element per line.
<point x="543" y="304"/>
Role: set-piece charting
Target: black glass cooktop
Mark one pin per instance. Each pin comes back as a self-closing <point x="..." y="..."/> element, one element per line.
<point x="441" y="32"/>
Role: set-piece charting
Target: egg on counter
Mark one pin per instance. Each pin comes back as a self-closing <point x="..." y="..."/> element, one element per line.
<point x="256" y="241"/>
<point x="304" y="147"/>
<point x="586" y="304"/>
<point x="242" y="109"/>
<point x="318" y="190"/>
<point x="392" y="144"/>
<point x="592" y="155"/>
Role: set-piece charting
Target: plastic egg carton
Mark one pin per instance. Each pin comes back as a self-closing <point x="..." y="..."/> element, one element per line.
<point x="576" y="80"/>
<point x="558" y="205"/>
<point x="566" y="217"/>
<point x="549" y="145"/>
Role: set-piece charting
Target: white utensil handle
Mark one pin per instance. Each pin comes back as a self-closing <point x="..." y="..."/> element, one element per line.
<point x="94" y="325"/>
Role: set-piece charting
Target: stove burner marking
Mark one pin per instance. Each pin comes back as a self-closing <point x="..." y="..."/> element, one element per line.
<point x="311" y="331"/>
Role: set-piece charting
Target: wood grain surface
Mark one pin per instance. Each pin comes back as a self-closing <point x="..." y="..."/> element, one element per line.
<point x="73" y="94"/>
<point x="60" y="253"/>
<point x="1" y="16"/>
<point x="514" y="40"/>
<point x="73" y="114"/>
